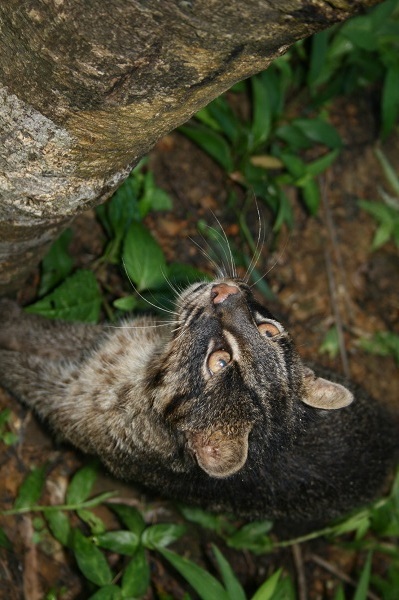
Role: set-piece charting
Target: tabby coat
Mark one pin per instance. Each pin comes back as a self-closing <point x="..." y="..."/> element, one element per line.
<point x="215" y="410"/>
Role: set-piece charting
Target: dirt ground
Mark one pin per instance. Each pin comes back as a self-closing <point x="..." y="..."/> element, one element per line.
<point x="322" y="273"/>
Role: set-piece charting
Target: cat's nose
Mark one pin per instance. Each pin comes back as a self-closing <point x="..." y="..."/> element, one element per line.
<point x="221" y="291"/>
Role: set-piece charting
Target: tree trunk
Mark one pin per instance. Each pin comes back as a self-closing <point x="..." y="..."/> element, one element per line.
<point x="88" y="87"/>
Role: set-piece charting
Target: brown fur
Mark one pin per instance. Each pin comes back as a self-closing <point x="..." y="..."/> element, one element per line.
<point x="262" y="436"/>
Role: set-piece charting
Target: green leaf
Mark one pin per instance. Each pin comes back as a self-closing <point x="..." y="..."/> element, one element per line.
<point x="161" y="535"/>
<point x="295" y="165"/>
<point x="91" y="560"/>
<point x="126" y="303"/>
<point x="180" y="273"/>
<point x="122" y="542"/>
<point x="212" y="143"/>
<point x="267" y="589"/>
<point x="311" y="195"/>
<point x="383" y="343"/>
<point x="119" y="211"/>
<point x="4" y="541"/>
<point x="284" y="212"/>
<point x="363" y="585"/>
<point x="153" y="198"/>
<point x="318" y="59"/>
<point x="206" y="586"/>
<point x="96" y="524"/>
<point x="389" y="171"/>
<point x="107" y="592"/>
<point x="233" y="586"/>
<point x="252" y="536"/>
<point x="136" y="576"/>
<point x="143" y="258"/>
<point x="57" y="263"/>
<point x="31" y="488"/>
<point x="321" y="164"/>
<point x="76" y="299"/>
<point x="203" y="518"/>
<point x="330" y="343"/>
<point x="261" y="108"/>
<point x="221" y="113"/>
<point x="81" y="485"/>
<point x="359" y="522"/>
<point x="390" y="100"/>
<point x="10" y="438"/>
<point x="319" y="131"/>
<point x="5" y="416"/>
<point x="294" y="137"/>
<point x="339" y="594"/>
<point x="59" y="525"/>
<point x="129" y="516"/>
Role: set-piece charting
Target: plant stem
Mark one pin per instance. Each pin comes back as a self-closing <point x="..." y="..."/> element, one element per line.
<point x="69" y="507"/>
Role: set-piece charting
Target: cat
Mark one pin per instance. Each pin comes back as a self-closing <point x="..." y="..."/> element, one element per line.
<point x="214" y="409"/>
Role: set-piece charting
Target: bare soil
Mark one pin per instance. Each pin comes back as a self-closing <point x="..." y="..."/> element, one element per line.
<point x="322" y="273"/>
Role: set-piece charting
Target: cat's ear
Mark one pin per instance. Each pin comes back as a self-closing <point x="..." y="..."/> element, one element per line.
<point x="219" y="454"/>
<point x="321" y="393"/>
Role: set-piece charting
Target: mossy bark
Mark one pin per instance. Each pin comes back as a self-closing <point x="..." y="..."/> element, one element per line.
<point x="87" y="88"/>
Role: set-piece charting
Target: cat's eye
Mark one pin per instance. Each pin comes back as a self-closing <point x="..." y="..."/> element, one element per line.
<point x="218" y="360"/>
<point x="268" y="329"/>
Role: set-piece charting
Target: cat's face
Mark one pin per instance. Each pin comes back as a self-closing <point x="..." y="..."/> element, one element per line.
<point x="229" y="361"/>
<point x="229" y="365"/>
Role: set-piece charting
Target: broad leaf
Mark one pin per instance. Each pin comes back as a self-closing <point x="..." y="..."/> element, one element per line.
<point x="77" y="299"/>
<point x="136" y="576"/>
<point x="57" y="263"/>
<point x="91" y="561"/>
<point x="233" y="586"/>
<point x="122" y="542"/>
<point x="206" y="586"/>
<point x="212" y="143"/>
<point x="31" y="489"/>
<point x="59" y="525"/>
<point x="161" y="535"/>
<point x="129" y="516"/>
<point x="267" y="589"/>
<point x="143" y="258"/>
<point x="81" y="485"/>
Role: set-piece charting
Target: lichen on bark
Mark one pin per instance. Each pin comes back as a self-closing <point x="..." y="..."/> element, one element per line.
<point x="89" y="87"/>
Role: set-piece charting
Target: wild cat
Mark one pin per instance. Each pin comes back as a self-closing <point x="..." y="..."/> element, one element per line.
<point x="215" y="409"/>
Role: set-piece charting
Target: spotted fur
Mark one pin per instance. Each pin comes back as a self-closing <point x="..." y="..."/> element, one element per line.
<point x="262" y="436"/>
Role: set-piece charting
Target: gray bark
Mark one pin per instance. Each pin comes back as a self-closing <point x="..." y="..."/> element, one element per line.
<point x="88" y="87"/>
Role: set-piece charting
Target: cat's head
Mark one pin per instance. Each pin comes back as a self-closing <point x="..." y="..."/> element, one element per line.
<point x="229" y="366"/>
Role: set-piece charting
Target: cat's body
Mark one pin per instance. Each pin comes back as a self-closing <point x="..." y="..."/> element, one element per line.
<point x="218" y="411"/>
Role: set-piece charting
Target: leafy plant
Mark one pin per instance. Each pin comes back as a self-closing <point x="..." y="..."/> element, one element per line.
<point x="360" y="52"/>
<point x="386" y="213"/>
<point x="132" y="201"/>
<point x="135" y="539"/>
<point x="7" y="436"/>
<point x="259" y="153"/>
<point x="382" y="343"/>
<point x="78" y="298"/>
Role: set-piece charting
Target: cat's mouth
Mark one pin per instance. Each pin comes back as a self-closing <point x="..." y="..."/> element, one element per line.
<point x="220" y="453"/>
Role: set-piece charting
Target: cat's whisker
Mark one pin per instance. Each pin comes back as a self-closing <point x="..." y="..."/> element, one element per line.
<point x="171" y="312"/>
<point x="221" y="245"/>
<point x="170" y="284"/>
<point x="148" y="326"/>
<point x="233" y="272"/>
<point x="258" y="247"/>
<point x="275" y="263"/>
<point x="218" y="270"/>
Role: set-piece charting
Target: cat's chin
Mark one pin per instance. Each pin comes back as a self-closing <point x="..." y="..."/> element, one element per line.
<point x="220" y="454"/>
